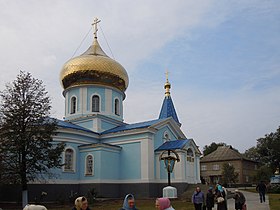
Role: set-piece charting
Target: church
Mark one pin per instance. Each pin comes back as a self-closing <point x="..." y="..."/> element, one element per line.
<point x="102" y="151"/>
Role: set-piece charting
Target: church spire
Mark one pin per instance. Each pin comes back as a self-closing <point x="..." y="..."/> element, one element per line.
<point x="168" y="109"/>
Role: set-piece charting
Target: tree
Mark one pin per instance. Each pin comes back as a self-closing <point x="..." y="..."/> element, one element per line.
<point x="211" y="148"/>
<point x="229" y="175"/>
<point x="252" y="154"/>
<point x="268" y="149"/>
<point x="264" y="173"/>
<point x="26" y="130"/>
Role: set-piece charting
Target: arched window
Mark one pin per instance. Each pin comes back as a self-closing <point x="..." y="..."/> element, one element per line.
<point x="190" y="155"/>
<point x="117" y="107"/>
<point x="69" y="160"/>
<point x="166" y="136"/>
<point x="73" y="106"/>
<point x="89" y="165"/>
<point x="95" y="103"/>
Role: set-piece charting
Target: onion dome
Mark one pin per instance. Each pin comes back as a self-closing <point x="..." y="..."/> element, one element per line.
<point x="94" y="67"/>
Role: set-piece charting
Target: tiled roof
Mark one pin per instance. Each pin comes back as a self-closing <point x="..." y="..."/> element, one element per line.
<point x="168" y="109"/>
<point x="173" y="145"/>
<point x="223" y="153"/>
<point x="132" y="126"/>
<point x="64" y="124"/>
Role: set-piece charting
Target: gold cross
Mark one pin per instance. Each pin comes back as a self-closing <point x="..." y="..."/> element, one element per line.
<point x="166" y="74"/>
<point x="95" y="29"/>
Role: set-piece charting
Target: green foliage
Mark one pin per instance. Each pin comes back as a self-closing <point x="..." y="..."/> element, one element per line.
<point x="229" y="175"/>
<point x="27" y="148"/>
<point x="252" y="154"/>
<point x="207" y="149"/>
<point x="263" y="174"/>
<point x="268" y="149"/>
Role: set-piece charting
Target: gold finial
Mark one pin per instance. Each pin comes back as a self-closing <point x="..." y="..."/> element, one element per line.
<point x="95" y="29"/>
<point x="167" y="85"/>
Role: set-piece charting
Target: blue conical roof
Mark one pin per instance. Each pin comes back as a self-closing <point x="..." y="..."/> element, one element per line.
<point x="168" y="109"/>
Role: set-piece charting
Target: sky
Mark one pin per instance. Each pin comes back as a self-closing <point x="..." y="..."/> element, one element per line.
<point x="223" y="58"/>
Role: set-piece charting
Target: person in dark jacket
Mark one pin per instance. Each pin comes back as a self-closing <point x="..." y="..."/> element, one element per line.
<point x="239" y="200"/>
<point x="261" y="188"/>
<point x="210" y="199"/>
<point x="129" y="203"/>
<point x="221" y="198"/>
<point x="198" y="199"/>
<point x="81" y="203"/>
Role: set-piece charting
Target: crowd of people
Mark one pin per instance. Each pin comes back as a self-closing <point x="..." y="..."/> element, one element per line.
<point x="218" y="195"/>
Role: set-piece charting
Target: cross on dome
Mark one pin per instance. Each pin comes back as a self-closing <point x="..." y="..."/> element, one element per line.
<point x="94" y="24"/>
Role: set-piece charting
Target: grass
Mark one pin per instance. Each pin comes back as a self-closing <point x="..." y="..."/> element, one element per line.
<point x="274" y="201"/>
<point x="140" y="204"/>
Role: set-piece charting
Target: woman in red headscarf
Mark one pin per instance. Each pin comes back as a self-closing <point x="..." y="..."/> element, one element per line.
<point x="163" y="204"/>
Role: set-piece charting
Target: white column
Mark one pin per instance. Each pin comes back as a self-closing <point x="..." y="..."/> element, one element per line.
<point x="108" y="101"/>
<point x="147" y="159"/>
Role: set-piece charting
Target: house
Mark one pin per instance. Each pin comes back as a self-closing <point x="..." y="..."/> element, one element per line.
<point x="211" y="165"/>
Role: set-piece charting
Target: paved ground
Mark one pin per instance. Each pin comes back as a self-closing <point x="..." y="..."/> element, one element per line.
<point x="252" y="201"/>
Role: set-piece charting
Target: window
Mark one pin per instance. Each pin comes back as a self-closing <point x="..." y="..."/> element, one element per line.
<point x="69" y="160"/>
<point x="216" y="167"/>
<point x="247" y="178"/>
<point x="190" y="155"/>
<point x="73" y="105"/>
<point x="203" y="167"/>
<point x="95" y="103"/>
<point x="89" y="165"/>
<point x="166" y="136"/>
<point x="117" y="107"/>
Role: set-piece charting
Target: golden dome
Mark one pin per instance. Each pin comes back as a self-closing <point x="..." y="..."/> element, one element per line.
<point x="94" y="67"/>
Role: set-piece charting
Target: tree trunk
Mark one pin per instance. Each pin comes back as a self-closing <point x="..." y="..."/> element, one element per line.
<point x="24" y="180"/>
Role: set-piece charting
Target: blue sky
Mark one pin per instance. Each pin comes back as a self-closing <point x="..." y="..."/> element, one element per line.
<point x="223" y="58"/>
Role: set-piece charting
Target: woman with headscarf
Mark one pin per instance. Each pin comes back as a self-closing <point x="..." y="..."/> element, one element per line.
<point x="221" y="198"/>
<point x="81" y="203"/>
<point x="163" y="204"/>
<point x="129" y="203"/>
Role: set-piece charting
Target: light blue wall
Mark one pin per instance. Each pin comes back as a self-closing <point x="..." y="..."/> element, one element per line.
<point x="118" y="95"/>
<point x="86" y="124"/>
<point x="159" y="136"/>
<point x="106" y="126"/>
<point x="130" y="160"/>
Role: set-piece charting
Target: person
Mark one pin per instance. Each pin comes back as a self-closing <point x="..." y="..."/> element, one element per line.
<point x="34" y="207"/>
<point x="163" y="204"/>
<point x="239" y="200"/>
<point x="221" y="198"/>
<point x="223" y="191"/>
<point x="81" y="203"/>
<point x="129" y="203"/>
<point x="198" y="199"/>
<point x="261" y="188"/>
<point x="210" y="199"/>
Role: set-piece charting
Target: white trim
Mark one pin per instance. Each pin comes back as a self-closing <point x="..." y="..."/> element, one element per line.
<point x="74" y="159"/>
<point x="147" y="155"/>
<point x="93" y="164"/>
<point x="76" y="104"/>
<point x="119" y="108"/>
<point x="84" y="100"/>
<point x="108" y="100"/>
<point x="107" y="181"/>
